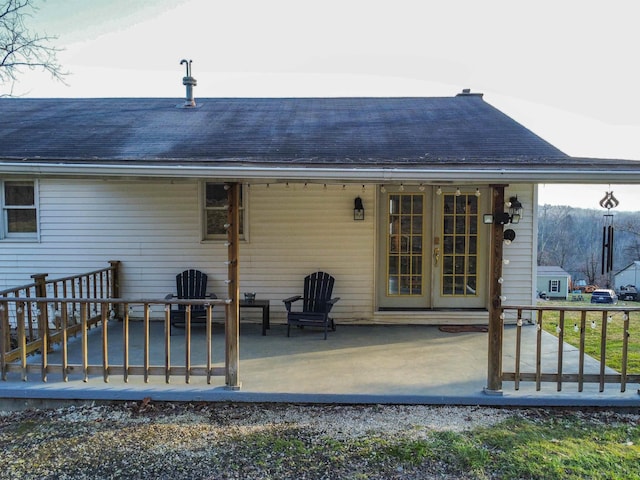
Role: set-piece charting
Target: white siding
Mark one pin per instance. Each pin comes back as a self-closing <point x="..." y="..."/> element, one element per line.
<point x="519" y="274"/>
<point x="154" y="228"/>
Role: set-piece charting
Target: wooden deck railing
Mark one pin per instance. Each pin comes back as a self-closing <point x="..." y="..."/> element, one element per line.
<point x="36" y="322"/>
<point x="101" y="313"/>
<point x="582" y="321"/>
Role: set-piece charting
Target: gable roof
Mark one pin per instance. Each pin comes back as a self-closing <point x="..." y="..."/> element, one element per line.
<point x="552" y="271"/>
<point x="430" y="135"/>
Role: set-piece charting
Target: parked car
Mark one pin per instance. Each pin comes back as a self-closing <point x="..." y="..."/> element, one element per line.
<point x="628" y="292"/>
<point x="604" y="295"/>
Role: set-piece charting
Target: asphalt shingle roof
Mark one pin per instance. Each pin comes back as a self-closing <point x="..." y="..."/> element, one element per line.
<point x="371" y="131"/>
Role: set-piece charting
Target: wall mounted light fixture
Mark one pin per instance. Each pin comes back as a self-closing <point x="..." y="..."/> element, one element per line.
<point x="503" y="218"/>
<point x="515" y="209"/>
<point x="358" y="209"/>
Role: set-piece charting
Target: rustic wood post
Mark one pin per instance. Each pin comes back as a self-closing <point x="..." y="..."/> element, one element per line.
<point x="5" y="338"/>
<point x="494" y="352"/>
<point x="232" y="330"/>
<point x="42" y="313"/>
<point x="114" y="286"/>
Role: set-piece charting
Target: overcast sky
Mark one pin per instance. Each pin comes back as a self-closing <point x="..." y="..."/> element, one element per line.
<point x="565" y="69"/>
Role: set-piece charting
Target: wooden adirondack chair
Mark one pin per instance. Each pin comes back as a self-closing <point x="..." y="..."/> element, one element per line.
<point x="316" y="303"/>
<point x="190" y="284"/>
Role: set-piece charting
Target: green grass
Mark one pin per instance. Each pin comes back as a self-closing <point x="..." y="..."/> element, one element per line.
<point x="593" y="328"/>
<point x="526" y="444"/>
<point x="538" y="446"/>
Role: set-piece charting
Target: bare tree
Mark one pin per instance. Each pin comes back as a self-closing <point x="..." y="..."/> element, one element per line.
<point x="20" y="48"/>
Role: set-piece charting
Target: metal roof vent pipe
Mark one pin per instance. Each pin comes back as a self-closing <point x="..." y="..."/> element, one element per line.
<point x="189" y="82"/>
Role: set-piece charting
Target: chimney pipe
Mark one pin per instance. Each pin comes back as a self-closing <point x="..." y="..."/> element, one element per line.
<point x="189" y="82"/>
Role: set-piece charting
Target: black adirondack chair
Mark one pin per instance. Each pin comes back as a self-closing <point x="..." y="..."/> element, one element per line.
<point x="191" y="285"/>
<point x="316" y="303"/>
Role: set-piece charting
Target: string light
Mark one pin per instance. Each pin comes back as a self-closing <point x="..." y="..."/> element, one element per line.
<point x="478" y="192"/>
<point x="439" y="191"/>
<point x="458" y="193"/>
<point x="421" y="188"/>
<point x="383" y="189"/>
<point x="575" y="327"/>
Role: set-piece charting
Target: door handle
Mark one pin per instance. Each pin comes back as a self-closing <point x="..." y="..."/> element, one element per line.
<point x="436" y="255"/>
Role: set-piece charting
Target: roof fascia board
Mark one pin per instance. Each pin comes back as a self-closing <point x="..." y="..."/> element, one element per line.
<point x="360" y="174"/>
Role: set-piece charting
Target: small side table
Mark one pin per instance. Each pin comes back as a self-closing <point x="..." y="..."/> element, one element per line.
<point x="264" y="305"/>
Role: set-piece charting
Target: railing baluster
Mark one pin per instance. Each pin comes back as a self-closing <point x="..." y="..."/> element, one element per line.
<point x="560" y="349"/>
<point x="167" y="343"/>
<point x="625" y="350"/>
<point x="125" y="342"/>
<point x="209" y="335"/>
<point x="538" y="349"/>
<point x="518" y="348"/>
<point x="5" y="338"/>
<point x="603" y="348"/>
<point x="105" y="344"/>
<point x="187" y="344"/>
<point x="84" y="313"/>
<point x="64" y="361"/>
<point x="146" y="343"/>
<point x="583" y="334"/>
<point x="22" y="339"/>
<point x="43" y="327"/>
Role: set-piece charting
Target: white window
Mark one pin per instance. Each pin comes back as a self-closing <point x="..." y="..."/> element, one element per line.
<point x="554" y="286"/>
<point x="215" y="211"/>
<point x="19" y="209"/>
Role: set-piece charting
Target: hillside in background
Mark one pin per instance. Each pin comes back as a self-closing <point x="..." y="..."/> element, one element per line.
<point x="572" y="239"/>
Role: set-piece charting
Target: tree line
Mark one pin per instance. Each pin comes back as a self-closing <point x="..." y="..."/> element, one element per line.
<point x="572" y="238"/>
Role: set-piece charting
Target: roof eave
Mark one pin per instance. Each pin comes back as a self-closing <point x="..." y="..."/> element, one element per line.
<point x="351" y="173"/>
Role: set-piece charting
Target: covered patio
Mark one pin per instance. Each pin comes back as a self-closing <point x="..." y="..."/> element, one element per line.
<point x="410" y="364"/>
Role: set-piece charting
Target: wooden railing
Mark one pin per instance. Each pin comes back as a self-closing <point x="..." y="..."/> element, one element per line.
<point x="98" y="345"/>
<point x="92" y="347"/>
<point x="37" y="322"/>
<point x="582" y="321"/>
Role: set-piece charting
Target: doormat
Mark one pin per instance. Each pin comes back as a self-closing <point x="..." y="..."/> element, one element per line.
<point x="463" y="328"/>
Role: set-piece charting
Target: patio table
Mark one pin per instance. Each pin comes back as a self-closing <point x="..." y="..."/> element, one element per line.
<point x="264" y="305"/>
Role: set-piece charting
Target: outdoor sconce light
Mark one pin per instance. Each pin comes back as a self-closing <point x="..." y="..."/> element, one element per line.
<point x="503" y="218"/>
<point x="515" y="209"/>
<point x="499" y="218"/>
<point x="358" y="209"/>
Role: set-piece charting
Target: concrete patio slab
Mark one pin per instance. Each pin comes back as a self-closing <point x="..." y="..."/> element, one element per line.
<point x="402" y="364"/>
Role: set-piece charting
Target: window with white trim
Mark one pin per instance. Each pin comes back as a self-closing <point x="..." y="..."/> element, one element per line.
<point x="215" y="211"/>
<point x="19" y="209"/>
<point x="554" y="286"/>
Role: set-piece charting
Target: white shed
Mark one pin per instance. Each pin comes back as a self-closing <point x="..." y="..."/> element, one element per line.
<point x="629" y="275"/>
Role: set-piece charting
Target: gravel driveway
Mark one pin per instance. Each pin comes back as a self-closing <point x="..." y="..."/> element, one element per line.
<point x="147" y="440"/>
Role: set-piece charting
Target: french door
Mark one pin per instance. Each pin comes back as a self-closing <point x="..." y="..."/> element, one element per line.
<point x="431" y="249"/>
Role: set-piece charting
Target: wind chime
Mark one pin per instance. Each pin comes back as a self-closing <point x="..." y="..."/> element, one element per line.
<point x="608" y="202"/>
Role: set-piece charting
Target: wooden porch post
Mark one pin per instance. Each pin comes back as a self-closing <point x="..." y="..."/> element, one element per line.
<point x="494" y="352"/>
<point x="232" y="322"/>
<point x="40" y="280"/>
<point x="115" y="285"/>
